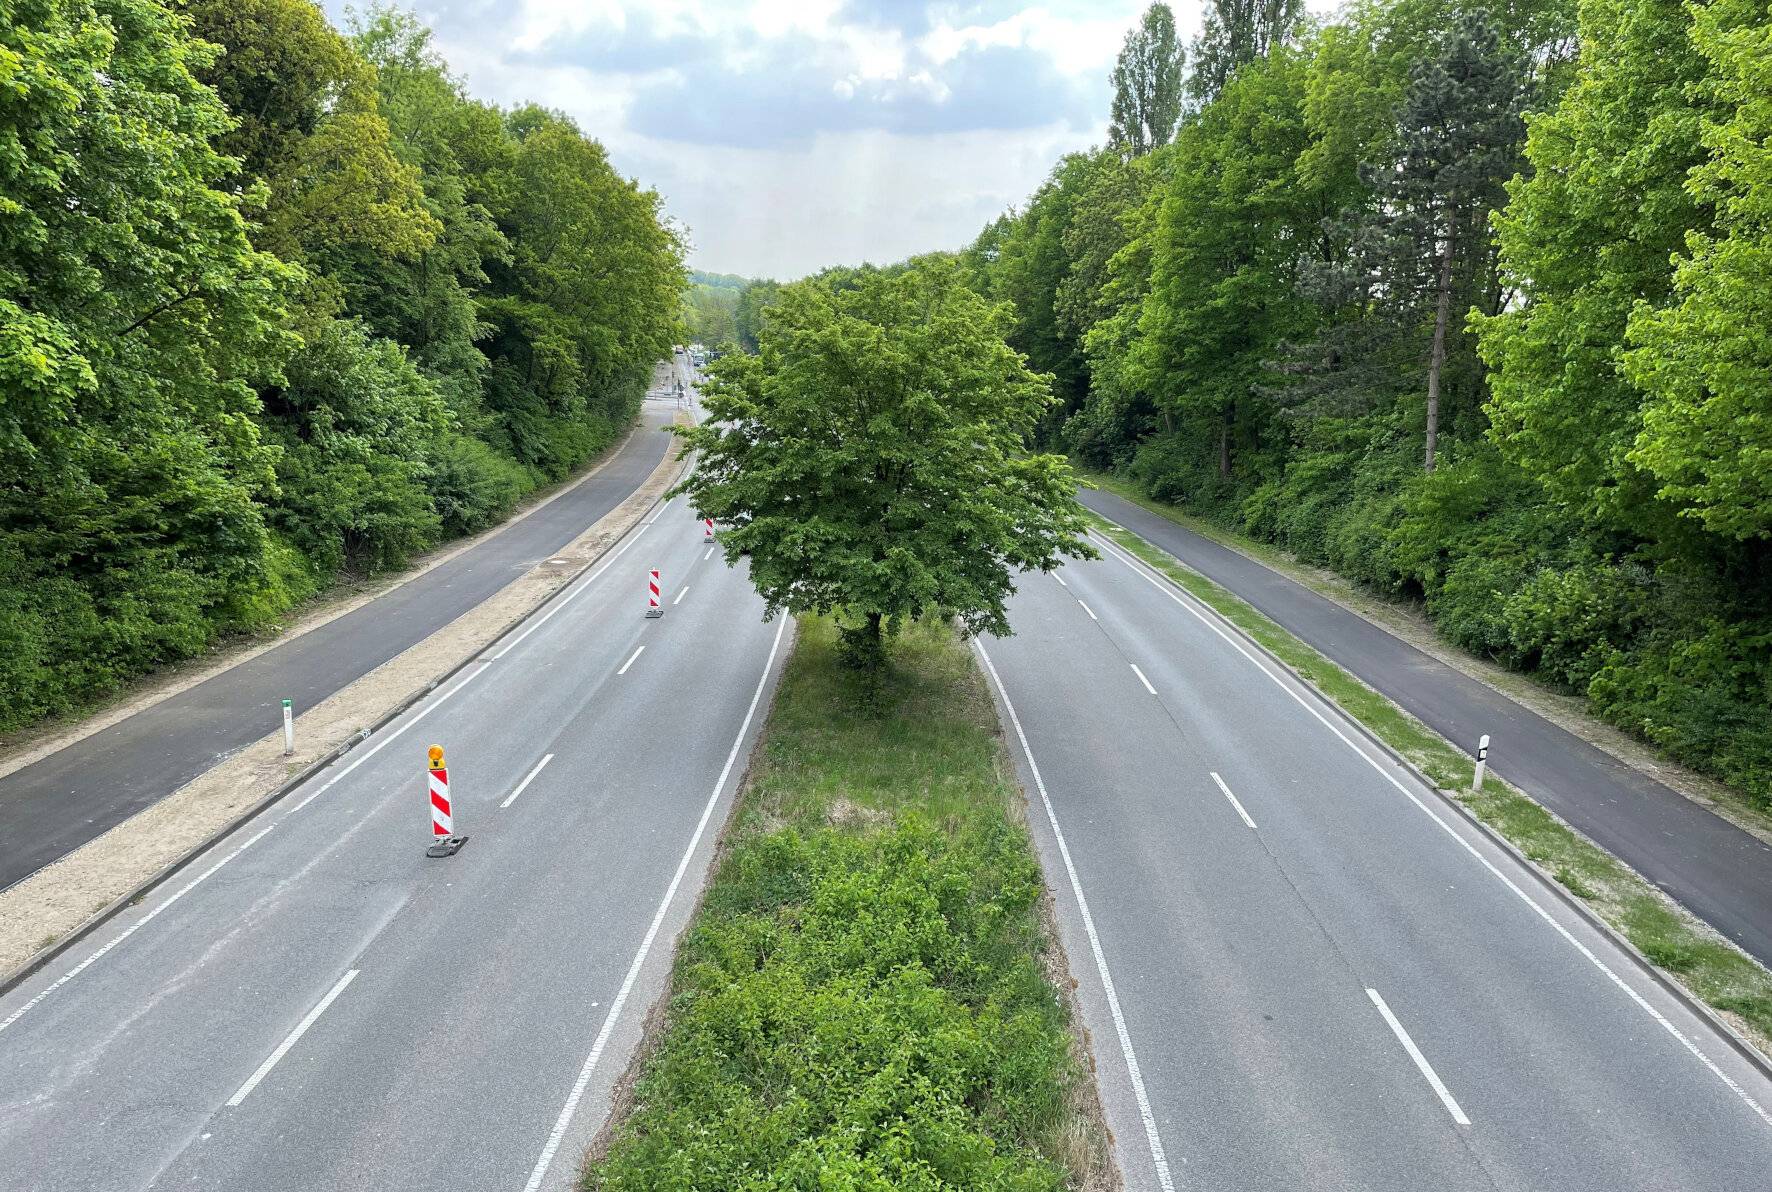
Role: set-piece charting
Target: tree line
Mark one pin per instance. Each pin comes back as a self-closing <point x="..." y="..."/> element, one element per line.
<point x="276" y="302"/>
<point x="1469" y="302"/>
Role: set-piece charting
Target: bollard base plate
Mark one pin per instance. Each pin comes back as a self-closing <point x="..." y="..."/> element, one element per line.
<point x="446" y="846"/>
<point x="654" y="612"/>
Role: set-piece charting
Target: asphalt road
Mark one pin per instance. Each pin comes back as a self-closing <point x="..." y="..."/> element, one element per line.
<point x="1322" y="977"/>
<point x="319" y="1006"/>
<point x="55" y="805"/>
<point x="1713" y="868"/>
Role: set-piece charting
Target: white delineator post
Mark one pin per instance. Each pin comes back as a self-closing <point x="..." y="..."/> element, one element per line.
<point x="444" y="841"/>
<point x="652" y="606"/>
<point x="288" y="728"/>
<point x="1482" y="762"/>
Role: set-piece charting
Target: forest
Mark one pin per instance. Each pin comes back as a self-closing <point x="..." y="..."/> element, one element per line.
<point x="1469" y="303"/>
<point x="280" y="303"/>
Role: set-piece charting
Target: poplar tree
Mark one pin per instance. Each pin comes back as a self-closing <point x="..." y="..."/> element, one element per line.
<point x="1147" y="84"/>
<point x="1236" y="33"/>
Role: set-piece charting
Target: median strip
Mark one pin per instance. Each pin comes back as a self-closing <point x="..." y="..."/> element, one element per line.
<point x="870" y="994"/>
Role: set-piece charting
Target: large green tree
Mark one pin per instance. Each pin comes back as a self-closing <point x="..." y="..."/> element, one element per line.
<point x="134" y="314"/>
<point x="1586" y="235"/>
<point x="1706" y="359"/>
<point x="1459" y="132"/>
<point x="1147" y="82"/>
<point x="872" y="458"/>
<point x="1234" y="34"/>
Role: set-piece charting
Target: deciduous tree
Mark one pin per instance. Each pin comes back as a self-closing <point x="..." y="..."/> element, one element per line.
<point x="872" y="458"/>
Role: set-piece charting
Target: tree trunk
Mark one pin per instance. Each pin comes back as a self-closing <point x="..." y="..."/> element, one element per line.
<point x="1437" y="361"/>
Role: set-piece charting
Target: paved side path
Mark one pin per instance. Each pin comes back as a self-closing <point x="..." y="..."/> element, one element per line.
<point x="55" y="805"/>
<point x="1716" y="870"/>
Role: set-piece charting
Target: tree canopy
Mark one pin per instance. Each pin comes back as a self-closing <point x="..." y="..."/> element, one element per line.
<point x="1147" y="84"/>
<point x="871" y="458"/>
<point x="278" y="301"/>
<point x="1466" y="301"/>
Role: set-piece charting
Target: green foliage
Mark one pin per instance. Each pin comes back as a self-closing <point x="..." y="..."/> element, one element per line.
<point x="872" y="459"/>
<point x="246" y="317"/>
<point x="860" y="1001"/>
<point x="1147" y="84"/>
<point x="1257" y="306"/>
<point x="1706" y="359"/>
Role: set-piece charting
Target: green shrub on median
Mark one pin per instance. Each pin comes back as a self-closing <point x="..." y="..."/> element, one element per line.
<point x="861" y="1002"/>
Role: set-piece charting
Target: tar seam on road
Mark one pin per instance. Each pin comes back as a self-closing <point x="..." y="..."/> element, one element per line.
<point x="1232" y="798"/>
<point x="1642" y="1002"/>
<point x="1421" y="1063"/>
<point x="558" y="1133"/>
<point x="301" y="1028"/>
<point x="1141" y="678"/>
<point x="524" y="785"/>
<point x="631" y="659"/>
<point x="1101" y="967"/>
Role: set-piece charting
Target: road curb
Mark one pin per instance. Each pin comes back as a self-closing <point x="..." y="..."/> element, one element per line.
<point x="142" y="889"/>
<point x="1732" y="1038"/>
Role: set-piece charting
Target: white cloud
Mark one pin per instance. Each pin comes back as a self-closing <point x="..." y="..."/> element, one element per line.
<point x="792" y="134"/>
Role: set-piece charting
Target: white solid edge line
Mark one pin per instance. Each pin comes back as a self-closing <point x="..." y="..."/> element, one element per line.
<point x="301" y="1028"/>
<point x="1232" y="798"/>
<point x="1642" y="1003"/>
<point x="1421" y="1063"/>
<point x="524" y="785"/>
<point x="540" y="1171"/>
<point x="630" y="661"/>
<point x="681" y="592"/>
<point x="1101" y="967"/>
<point x="1141" y="678"/>
<point x="1090" y="611"/>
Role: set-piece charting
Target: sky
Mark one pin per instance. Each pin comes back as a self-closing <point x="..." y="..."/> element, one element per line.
<point x="787" y="135"/>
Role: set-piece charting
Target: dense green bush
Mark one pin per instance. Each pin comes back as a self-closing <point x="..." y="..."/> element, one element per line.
<point x="861" y="1002"/>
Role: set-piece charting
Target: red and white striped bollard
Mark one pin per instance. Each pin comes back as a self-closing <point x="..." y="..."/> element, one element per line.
<point x="709" y="536"/>
<point x="444" y="841"/>
<point x="652" y="605"/>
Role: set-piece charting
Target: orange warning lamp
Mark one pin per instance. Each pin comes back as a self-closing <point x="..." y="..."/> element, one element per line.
<point x="436" y="757"/>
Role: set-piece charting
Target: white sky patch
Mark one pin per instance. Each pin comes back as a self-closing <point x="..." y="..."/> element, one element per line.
<point x="776" y="188"/>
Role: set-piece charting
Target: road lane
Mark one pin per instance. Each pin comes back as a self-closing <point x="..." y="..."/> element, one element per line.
<point x="1718" y="871"/>
<point x="56" y="804"/>
<point x="482" y="978"/>
<point x="1243" y="955"/>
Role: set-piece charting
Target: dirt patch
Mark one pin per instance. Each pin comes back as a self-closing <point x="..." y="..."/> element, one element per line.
<point x="63" y="897"/>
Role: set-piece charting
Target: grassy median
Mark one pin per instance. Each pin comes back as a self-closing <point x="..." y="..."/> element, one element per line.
<point x="1712" y="968"/>
<point x="868" y="995"/>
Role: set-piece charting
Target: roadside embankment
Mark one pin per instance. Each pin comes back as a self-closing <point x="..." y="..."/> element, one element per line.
<point x="62" y="899"/>
<point x="871" y="993"/>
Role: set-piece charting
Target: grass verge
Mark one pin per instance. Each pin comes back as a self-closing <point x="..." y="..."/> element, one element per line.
<point x="869" y="996"/>
<point x="1717" y="972"/>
